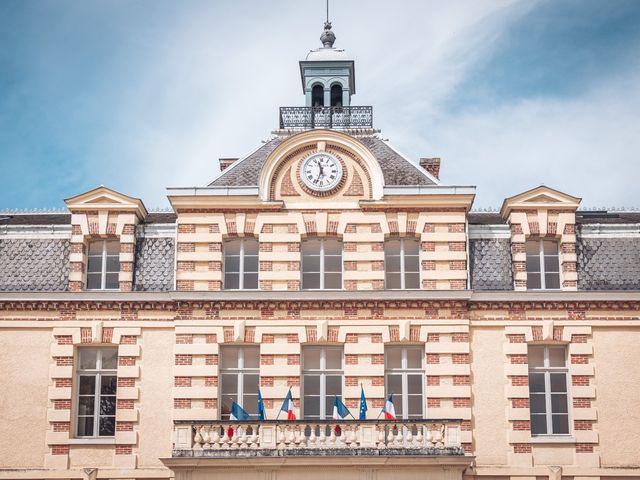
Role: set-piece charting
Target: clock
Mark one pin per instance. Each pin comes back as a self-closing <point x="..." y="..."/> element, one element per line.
<point x="321" y="172"/>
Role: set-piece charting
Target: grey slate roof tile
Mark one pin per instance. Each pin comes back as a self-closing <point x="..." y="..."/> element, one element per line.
<point x="608" y="263"/>
<point x="34" y="265"/>
<point x="491" y="264"/>
<point x="154" y="264"/>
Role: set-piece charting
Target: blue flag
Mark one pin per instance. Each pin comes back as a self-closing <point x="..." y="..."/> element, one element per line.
<point x="340" y="410"/>
<point x="238" y="413"/>
<point x="363" y="404"/>
<point x="261" y="412"/>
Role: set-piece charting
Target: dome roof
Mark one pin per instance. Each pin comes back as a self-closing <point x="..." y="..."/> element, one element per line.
<point x="327" y="54"/>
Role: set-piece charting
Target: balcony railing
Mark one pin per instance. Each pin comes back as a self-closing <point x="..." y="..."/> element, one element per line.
<point x="305" y="118"/>
<point x="273" y="438"/>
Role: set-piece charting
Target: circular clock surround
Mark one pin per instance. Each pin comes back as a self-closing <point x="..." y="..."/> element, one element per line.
<point x="321" y="172"/>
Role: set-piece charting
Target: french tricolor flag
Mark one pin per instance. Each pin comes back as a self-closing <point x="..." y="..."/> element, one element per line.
<point x="287" y="406"/>
<point x="389" y="410"/>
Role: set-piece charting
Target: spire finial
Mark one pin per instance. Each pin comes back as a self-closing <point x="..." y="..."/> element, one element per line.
<point x="328" y="37"/>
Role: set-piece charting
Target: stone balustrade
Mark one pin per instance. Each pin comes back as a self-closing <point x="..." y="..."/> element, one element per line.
<point x="317" y="437"/>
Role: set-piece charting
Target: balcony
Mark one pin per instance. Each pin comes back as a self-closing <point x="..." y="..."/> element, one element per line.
<point x="317" y="438"/>
<point x="306" y="118"/>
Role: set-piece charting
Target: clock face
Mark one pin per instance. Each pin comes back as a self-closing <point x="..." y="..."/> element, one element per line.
<point x="321" y="172"/>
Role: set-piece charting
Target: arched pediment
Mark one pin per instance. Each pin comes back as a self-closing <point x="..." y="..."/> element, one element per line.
<point x="363" y="178"/>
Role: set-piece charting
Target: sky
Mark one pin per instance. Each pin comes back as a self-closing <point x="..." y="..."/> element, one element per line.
<point x="141" y="95"/>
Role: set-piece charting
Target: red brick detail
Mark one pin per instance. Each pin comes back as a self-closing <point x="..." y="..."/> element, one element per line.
<point x="461" y="402"/>
<point x="519" y="338"/>
<point x="461" y="380"/>
<point x="128" y="340"/>
<point x="575" y="338"/>
<point x="61" y="426"/>
<point x="126" y="382"/>
<point x="184" y="338"/>
<point x="64" y="340"/>
<point x="266" y="359"/>
<point x="579" y="359"/>
<point x="85" y="335"/>
<point x="581" y="403"/>
<point x="182" y="382"/>
<point x="63" y="361"/>
<point x="124" y="450"/>
<point x="124" y="426"/>
<point x="461" y="337"/>
<point x="181" y="403"/>
<point x="433" y="380"/>
<point x="520" y="381"/>
<point x="456" y="228"/>
<point x="519" y="359"/>
<point x="124" y="404"/>
<point x="266" y="381"/>
<point x="183" y="359"/>
<point x="62" y="382"/>
<point x="584" y="448"/>
<point x="210" y="381"/>
<point x="211" y="359"/>
<point x="521" y="448"/>
<point x="433" y="358"/>
<point x="460" y="358"/>
<point x="107" y="335"/>
<point x="521" y="425"/>
<point x="583" y="424"/>
<point x="59" y="449"/>
<point x="580" y="380"/>
<point x="293" y="381"/>
<point x="519" y="403"/>
<point x="433" y="402"/>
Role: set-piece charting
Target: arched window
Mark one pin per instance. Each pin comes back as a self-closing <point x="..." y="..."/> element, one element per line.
<point x="317" y="96"/>
<point x="241" y="264"/>
<point x="336" y="95"/>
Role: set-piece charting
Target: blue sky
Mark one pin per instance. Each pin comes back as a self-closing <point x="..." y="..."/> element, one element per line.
<point x="141" y="95"/>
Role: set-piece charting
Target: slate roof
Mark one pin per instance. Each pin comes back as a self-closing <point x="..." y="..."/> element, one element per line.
<point x="490" y="264"/>
<point x="154" y="264"/>
<point x="28" y="265"/>
<point x="608" y="263"/>
<point x="65" y="218"/>
<point x="396" y="169"/>
<point x="485" y="218"/>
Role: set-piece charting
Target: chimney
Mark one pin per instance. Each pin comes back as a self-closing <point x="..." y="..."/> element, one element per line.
<point x="431" y="165"/>
<point x="226" y="162"/>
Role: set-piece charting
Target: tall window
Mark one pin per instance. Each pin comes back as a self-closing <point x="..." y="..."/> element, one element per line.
<point x="321" y="380"/>
<point x="336" y="95"/>
<point x="543" y="265"/>
<point x="97" y="382"/>
<point x="103" y="266"/>
<point x="241" y="264"/>
<point x="404" y="375"/>
<point x="322" y="264"/>
<point x="548" y="390"/>
<point x="239" y="378"/>
<point x="317" y="96"/>
<point x="402" y="263"/>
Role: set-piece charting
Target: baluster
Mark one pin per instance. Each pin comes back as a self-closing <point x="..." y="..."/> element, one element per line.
<point x="234" y="437"/>
<point x="323" y="436"/>
<point x="215" y="436"/>
<point x="281" y="437"/>
<point x="332" y="436"/>
<point x="303" y="436"/>
<point x="243" y="437"/>
<point x="291" y="437"/>
<point x="253" y="439"/>
<point x="206" y="437"/>
<point x="429" y="437"/>
<point x="380" y="430"/>
<point x="353" y="436"/>
<point x="390" y="437"/>
<point x="419" y="436"/>
<point x="197" y="438"/>
<point x="312" y="437"/>
<point x="399" y="436"/>
<point x="409" y="436"/>
<point x="224" y="441"/>
<point x="439" y="436"/>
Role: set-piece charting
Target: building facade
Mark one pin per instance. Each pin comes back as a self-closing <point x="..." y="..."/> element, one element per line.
<point x="325" y="264"/>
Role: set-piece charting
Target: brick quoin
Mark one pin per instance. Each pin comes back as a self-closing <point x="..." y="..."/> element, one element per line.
<point x="433" y="380"/>
<point x="351" y="359"/>
<point x="124" y="404"/>
<point x="59" y="449"/>
<point x="61" y="426"/>
<point x="521" y="425"/>
<point x="210" y="381"/>
<point x="584" y="448"/>
<point x="377" y="359"/>
<point x="123" y="450"/>
<point x="519" y="403"/>
<point x="184" y="338"/>
<point x="126" y="382"/>
<point x="211" y="359"/>
<point x="583" y="424"/>
<point x="521" y="448"/>
<point x="62" y="404"/>
<point x="433" y="337"/>
<point x="580" y="381"/>
<point x="433" y="402"/>
<point x="462" y="337"/>
<point x="433" y="358"/>
<point x="461" y="380"/>
<point x="519" y="338"/>
<point x="293" y="359"/>
<point x="460" y="358"/>
<point x="519" y="359"/>
<point x="581" y="403"/>
<point x="351" y="338"/>
<point x="461" y="402"/>
<point x="183" y="359"/>
<point x="579" y="359"/>
<point x="520" y="381"/>
<point x="181" y="403"/>
<point x="266" y="381"/>
<point x="575" y="338"/>
<point x="62" y="382"/>
<point x="182" y="382"/>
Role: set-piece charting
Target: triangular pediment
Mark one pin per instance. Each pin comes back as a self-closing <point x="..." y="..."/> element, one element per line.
<point x="541" y="197"/>
<point x="103" y="198"/>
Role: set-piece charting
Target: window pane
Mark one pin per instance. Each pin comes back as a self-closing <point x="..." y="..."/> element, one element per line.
<point x="414" y="357"/>
<point x="311" y="385"/>
<point x="250" y="246"/>
<point x="94" y="281"/>
<point x="109" y="358"/>
<point x="232" y="264"/>
<point x="333" y="358"/>
<point x="392" y="247"/>
<point x="229" y="357"/>
<point x="311" y="247"/>
<point x="109" y="385"/>
<point x="251" y="281"/>
<point x="559" y="403"/>
<point x="112" y="281"/>
<point x="310" y="281"/>
<point x="412" y="264"/>
<point x="550" y="247"/>
<point x="414" y="384"/>
<point x="558" y="382"/>
<point x="94" y="264"/>
<point x="392" y="263"/>
<point x="415" y="405"/>
<point x="538" y="424"/>
<point x="107" y="426"/>
<point x="311" y="407"/>
<point x="250" y="264"/>
<point x="85" y="426"/>
<point x="411" y="246"/>
<point x="229" y="384"/>
<point x="113" y="247"/>
<point x="533" y="263"/>
<point x="557" y="356"/>
<point x="536" y="382"/>
<point x="560" y="424"/>
<point x="393" y="358"/>
<point x="551" y="264"/>
<point x="536" y="356"/>
<point x="231" y="281"/>
<point x="393" y="281"/>
<point x="232" y="247"/>
<point x="108" y="405"/>
<point x="533" y="281"/>
<point x="250" y="403"/>
<point x="332" y="247"/>
<point x="226" y="402"/>
<point x="532" y="247"/>
<point x="333" y="385"/>
<point x="537" y="403"/>
<point x="333" y="281"/>
<point x="311" y="358"/>
<point x="86" y="405"/>
<point x="87" y="385"/>
<point x="95" y="248"/>
<point x="329" y="402"/>
<point x="113" y="264"/>
<point x="88" y="358"/>
<point x="250" y="384"/>
<point x="332" y="264"/>
<point x="251" y="357"/>
<point x="394" y="386"/>
<point x="552" y="281"/>
<point x="311" y="263"/>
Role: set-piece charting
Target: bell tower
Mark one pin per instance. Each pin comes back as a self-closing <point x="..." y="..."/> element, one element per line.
<point x="327" y="74"/>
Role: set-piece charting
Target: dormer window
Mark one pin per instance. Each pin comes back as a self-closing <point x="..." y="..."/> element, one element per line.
<point x="336" y="95"/>
<point x="241" y="264"/>
<point x="103" y="265"/>
<point x="317" y="96"/>
<point x="543" y="265"/>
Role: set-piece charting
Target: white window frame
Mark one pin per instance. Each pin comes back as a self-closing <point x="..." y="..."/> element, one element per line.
<point x="543" y="280"/>
<point x="403" y="281"/>
<point x="241" y="271"/>
<point x="404" y="371"/>
<point x="240" y="371"/>
<point x="97" y="373"/>
<point x="322" y="372"/>
<point x="321" y="267"/>
<point x="548" y="370"/>
<point x="103" y="267"/>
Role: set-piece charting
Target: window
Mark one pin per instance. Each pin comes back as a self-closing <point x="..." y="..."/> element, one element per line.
<point x="402" y="263"/>
<point x="96" y="383"/>
<point x="317" y="96"/>
<point x="336" y="95"/>
<point x="321" y="381"/>
<point x="543" y="264"/>
<point x="404" y="377"/>
<point x="548" y="390"/>
<point x="321" y="264"/>
<point x="241" y="264"/>
<point x="103" y="265"/>
<point x="239" y="378"/>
